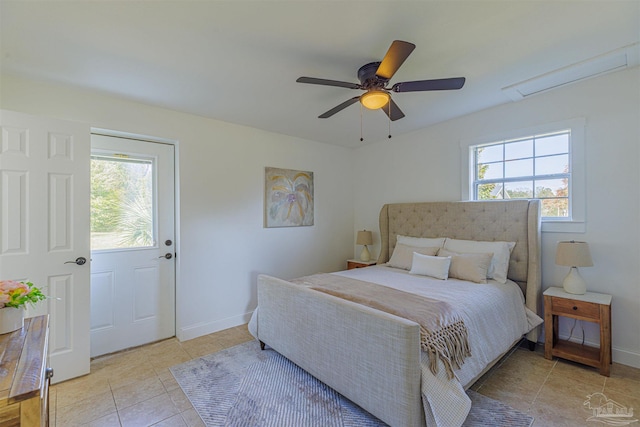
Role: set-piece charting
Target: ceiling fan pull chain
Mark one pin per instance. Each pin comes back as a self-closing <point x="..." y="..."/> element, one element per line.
<point x="389" y="103"/>
<point x="361" y="138"/>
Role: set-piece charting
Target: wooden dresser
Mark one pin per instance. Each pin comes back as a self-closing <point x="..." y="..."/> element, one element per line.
<point x="24" y="377"/>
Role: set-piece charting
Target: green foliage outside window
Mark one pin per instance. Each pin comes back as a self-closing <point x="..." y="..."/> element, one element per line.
<point x="121" y="203"/>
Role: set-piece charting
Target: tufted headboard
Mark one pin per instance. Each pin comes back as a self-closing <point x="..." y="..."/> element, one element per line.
<point x="502" y="220"/>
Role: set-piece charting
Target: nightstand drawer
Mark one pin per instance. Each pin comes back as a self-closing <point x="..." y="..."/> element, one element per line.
<point x="575" y="308"/>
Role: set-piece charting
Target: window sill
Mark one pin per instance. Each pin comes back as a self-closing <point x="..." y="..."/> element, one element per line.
<point x="564" y="227"/>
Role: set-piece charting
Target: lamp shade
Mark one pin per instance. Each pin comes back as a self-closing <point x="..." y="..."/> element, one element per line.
<point x="573" y="254"/>
<point x="364" y="238"/>
<point x="374" y="99"/>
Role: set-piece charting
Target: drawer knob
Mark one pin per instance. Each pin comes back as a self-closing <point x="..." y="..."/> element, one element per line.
<point x="575" y="308"/>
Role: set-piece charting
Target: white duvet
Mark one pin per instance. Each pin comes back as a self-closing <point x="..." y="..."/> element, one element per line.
<point x="495" y="317"/>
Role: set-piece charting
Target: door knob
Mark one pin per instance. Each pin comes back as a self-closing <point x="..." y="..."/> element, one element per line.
<point x="167" y="256"/>
<point x="79" y="261"/>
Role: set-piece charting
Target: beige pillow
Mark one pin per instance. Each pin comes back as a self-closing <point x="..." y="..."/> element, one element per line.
<point x="501" y="253"/>
<point x="402" y="256"/>
<point x="470" y="267"/>
<point x="421" y="242"/>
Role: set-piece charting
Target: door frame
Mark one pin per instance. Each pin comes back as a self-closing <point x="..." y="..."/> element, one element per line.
<point x="176" y="207"/>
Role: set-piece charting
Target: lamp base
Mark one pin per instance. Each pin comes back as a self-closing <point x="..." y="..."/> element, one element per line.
<point x="573" y="283"/>
<point x="365" y="255"/>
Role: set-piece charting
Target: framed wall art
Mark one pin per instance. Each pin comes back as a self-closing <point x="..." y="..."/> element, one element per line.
<point x="288" y="198"/>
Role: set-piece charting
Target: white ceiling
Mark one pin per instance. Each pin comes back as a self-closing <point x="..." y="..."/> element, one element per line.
<point x="237" y="61"/>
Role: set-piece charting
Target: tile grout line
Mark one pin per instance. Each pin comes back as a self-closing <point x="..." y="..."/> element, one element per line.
<point x="542" y="385"/>
<point x="114" y="403"/>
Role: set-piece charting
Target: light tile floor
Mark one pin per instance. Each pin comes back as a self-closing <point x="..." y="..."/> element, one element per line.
<point x="554" y="391"/>
<point x="136" y="388"/>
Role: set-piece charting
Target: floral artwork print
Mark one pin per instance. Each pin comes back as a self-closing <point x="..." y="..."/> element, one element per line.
<point x="288" y="198"/>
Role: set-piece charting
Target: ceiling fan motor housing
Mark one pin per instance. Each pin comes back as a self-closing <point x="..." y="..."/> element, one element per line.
<point x="368" y="78"/>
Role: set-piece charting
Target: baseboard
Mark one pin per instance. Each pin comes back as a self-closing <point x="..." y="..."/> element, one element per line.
<point x="205" y="328"/>
<point x="626" y="357"/>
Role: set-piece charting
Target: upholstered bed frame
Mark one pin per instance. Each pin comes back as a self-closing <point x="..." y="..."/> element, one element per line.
<point x="372" y="357"/>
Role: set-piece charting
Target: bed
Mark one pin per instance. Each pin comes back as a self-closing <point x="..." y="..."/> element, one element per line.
<point x="374" y="357"/>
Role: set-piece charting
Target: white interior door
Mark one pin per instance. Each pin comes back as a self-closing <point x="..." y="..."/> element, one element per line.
<point x="132" y="243"/>
<point x="44" y="227"/>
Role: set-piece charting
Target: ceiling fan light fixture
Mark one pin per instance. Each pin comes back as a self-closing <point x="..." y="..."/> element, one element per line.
<point x="374" y="99"/>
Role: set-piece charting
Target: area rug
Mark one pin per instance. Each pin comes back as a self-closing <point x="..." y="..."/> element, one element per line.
<point x="243" y="386"/>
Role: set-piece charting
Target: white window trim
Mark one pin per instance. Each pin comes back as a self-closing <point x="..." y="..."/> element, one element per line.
<point x="577" y="223"/>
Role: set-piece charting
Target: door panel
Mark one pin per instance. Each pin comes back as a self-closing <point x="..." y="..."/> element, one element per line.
<point x="44" y="222"/>
<point x="133" y="284"/>
<point x="14" y="211"/>
<point x="102" y="300"/>
<point x="60" y="212"/>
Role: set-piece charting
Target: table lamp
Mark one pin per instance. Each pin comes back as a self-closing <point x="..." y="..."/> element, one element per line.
<point x="574" y="254"/>
<point x="364" y="238"/>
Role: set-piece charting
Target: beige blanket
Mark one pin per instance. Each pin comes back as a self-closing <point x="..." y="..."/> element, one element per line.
<point x="443" y="334"/>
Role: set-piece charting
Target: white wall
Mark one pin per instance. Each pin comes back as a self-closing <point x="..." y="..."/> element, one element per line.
<point x="425" y="166"/>
<point x="222" y="245"/>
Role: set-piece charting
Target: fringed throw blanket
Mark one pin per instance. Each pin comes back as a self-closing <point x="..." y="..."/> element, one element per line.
<point x="443" y="334"/>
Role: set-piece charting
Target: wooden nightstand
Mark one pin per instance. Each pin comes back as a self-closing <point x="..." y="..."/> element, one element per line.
<point x="356" y="263"/>
<point x="592" y="307"/>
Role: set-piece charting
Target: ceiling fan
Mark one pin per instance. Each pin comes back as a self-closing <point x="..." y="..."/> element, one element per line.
<point x="374" y="78"/>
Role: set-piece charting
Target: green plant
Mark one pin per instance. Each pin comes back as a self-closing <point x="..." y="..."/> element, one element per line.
<point x="136" y="223"/>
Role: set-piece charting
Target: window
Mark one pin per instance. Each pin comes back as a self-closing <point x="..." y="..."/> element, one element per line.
<point x="545" y="162"/>
<point x="536" y="166"/>
<point x="121" y="202"/>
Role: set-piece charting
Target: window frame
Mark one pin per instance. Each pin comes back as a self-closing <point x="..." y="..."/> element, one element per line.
<point x="576" y="222"/>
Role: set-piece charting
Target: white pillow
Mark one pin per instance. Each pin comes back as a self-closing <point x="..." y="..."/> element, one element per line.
<point x="501" y="254"/>
<point x="402" y="256"/>
<point x="421" y="242"/>
<point x="432" y="266"/>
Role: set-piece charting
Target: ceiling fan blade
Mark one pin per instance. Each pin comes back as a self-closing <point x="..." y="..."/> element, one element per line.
<point x="398" y="52"/>
<point x="325" y="82"/>
<point x="340" y="107"/>
<point x="436" y="84"/>
<point x="395" y="113"/>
